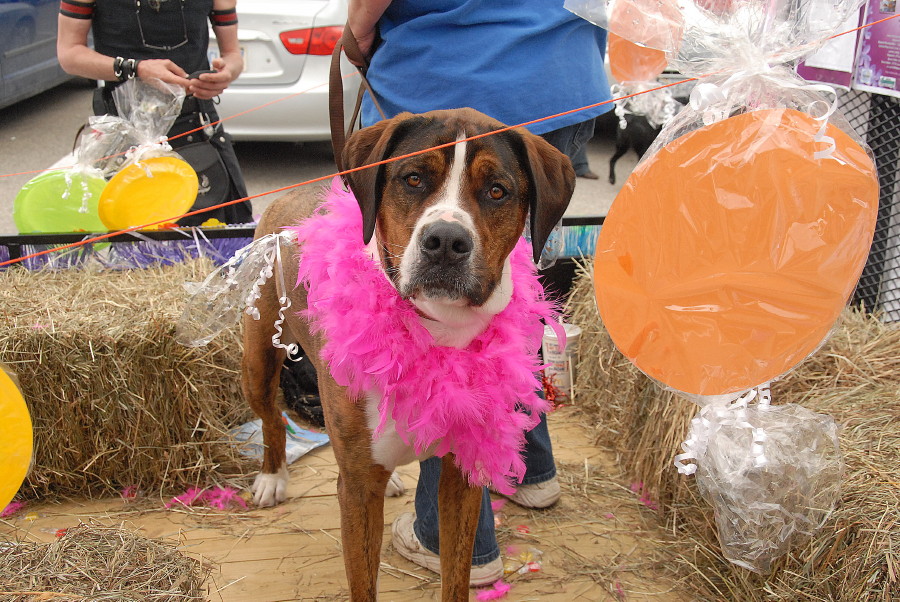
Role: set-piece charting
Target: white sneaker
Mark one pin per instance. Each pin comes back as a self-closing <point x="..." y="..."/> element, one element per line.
<point x="408" y="545"/>
<point x="537" y="495"/>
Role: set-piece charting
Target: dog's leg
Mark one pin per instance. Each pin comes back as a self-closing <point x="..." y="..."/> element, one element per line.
<point x="360" y="488"/>
<point x="458" y="507"/>
<point x="260" y="372"/>
<point x="621" y="149"/>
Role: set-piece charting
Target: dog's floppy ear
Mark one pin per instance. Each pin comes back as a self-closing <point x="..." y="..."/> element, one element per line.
<point x="552" y="181"/>
<point x="366" y="146"/>
<point x="552" y="184"/>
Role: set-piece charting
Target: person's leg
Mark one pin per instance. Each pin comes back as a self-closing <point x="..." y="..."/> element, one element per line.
<point x="580" y="161"/>
<point x="426" y="525"/>
<point x="538" y="454"/>
<point x="539" y="487"/>
<point x="572" y="140"/>
<point x="416" y="536"/>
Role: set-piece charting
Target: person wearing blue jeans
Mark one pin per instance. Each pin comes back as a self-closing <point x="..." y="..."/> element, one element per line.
<point x="416" y="536"/>
<point x="539" y="486"/>
<point x="580" y="159"/>
<point x="514" y="60"/>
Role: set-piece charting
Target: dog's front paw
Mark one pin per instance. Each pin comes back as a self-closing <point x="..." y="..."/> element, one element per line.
<point x="395" y="486"/>
<point x="270" y="489"/>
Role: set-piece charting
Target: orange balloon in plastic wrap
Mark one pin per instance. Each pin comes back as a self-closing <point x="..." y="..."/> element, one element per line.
<point x="652" y="23"/>
<point x="730" y="253"/>
<point x="148" y="191"/>
<point x="632" y="63"/>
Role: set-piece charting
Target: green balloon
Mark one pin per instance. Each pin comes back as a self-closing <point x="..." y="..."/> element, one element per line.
<point x="53" y="202"/>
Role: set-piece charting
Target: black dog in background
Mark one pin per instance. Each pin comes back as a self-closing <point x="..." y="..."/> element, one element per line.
<point x="637" y="134"/>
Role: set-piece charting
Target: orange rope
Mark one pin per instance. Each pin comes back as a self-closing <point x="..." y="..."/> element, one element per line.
<point x="330" y="176"/>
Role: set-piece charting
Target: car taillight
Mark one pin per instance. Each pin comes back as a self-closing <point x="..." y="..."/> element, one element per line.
<point x="318" y="41"/>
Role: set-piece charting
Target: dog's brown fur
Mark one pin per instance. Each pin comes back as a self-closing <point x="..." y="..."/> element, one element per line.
<point x="361" y="483"/>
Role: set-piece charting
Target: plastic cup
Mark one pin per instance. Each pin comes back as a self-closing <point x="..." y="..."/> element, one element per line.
<point x="560" y="362"/>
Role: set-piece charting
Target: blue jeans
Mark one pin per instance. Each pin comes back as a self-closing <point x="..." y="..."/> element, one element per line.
<point x="573" y="140"/>
<point x="539" y="467"/>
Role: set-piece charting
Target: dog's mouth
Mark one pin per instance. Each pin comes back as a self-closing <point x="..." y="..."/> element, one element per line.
<point x="456" y="285"/>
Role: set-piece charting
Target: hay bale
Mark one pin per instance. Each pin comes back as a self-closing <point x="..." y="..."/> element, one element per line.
<point x="93" y="562"/>
<point x="855" y="377"/>
<point x="115" y="401"/>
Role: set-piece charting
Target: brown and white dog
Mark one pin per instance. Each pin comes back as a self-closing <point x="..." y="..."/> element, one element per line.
<point x="442" y="225"/>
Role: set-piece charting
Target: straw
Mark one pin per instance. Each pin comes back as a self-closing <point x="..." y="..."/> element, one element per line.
<point x="115" y="401"/>
<point x="855" y="377"/>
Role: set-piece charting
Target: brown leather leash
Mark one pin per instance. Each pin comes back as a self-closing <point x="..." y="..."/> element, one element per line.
<point x="348" y="45"/>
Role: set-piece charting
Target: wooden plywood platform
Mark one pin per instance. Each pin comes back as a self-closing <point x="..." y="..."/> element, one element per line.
<point x="595" y="544"/>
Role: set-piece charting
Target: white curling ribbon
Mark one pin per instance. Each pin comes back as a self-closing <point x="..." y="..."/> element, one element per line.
<point x="232" y="290"/>
<point x="712" y="417"/>
<point x="292" y="349"/>
<point x="85" y="194"/>
<point x="658" y="106"/>
<point x="136" y="153"/>
<point x="821" y="137"/>
<point x="704" y="96"/>
<point x="265" y="273"/>
<point x="712" y="102"/>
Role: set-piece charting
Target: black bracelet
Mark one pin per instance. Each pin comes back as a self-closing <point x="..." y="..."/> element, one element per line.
<point x="131" y="69"/>
<point x="125" y="69"/>
<point x="119" y="69"/>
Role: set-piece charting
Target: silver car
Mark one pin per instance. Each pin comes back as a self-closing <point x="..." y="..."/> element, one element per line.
<point x="287" y="47"/>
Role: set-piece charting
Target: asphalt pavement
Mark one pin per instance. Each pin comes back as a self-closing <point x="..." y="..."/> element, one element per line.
<point x="38" y="133"/>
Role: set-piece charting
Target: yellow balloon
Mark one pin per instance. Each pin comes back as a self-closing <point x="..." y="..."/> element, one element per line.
<point x="16" y="439"/>
<point x="151" y="190"/>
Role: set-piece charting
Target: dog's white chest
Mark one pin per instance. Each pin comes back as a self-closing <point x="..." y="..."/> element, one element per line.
<point x="388" y="448"/>
<point x="451" y="324"/>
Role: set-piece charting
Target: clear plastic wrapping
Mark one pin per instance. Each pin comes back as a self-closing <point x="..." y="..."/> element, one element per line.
<point x="105" y="141"/>
<point x="703" y="35"/>
<point x="150" y="109"/>
<point x="771" y="473"/>
<point x="233" y="289"/>
<point x="640" y="98"/>
<point x="733" y="248"/>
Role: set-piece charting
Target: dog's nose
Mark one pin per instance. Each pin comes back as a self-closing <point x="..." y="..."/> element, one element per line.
<point x="446" y="243"/>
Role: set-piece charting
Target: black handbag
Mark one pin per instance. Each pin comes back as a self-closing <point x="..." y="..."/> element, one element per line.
<point x="212" y="176"/>
<point x="218" y="174"/>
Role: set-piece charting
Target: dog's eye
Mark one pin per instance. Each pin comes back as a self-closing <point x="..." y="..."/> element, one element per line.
<point x="413" y="180"/>
<point x="497" y="192"/>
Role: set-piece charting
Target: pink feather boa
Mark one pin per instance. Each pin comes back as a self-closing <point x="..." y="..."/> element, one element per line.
<point x="476" y="402"/>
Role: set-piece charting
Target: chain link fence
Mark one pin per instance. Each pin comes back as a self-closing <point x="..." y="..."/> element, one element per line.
<point x="877" y="118"/>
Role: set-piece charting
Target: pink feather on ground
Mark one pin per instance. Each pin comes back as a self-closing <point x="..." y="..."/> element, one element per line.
<point x="11" y="509"/>
<point x="476" y="402"/>
<point x="497" y="591"/>
<point x="220" y="498"/>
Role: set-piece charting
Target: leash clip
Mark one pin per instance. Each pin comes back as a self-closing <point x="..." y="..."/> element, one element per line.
<point x="208" y="128"/>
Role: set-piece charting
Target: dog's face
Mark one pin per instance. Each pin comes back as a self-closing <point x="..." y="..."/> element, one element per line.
<point x="446" y="220"/>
